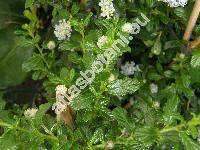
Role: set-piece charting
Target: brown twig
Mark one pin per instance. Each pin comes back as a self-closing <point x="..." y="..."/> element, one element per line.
<point x="194" y="44"/>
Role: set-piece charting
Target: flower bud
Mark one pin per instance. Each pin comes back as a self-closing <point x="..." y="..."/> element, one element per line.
<point x="182" y="56"/>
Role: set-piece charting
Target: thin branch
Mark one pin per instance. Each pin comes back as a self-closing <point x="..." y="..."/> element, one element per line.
<point x="194" y="44"/>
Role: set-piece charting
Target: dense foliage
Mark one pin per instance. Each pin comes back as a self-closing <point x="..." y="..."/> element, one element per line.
<point x="156" y="106"/>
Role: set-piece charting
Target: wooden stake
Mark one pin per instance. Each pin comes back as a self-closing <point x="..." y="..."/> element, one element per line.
<point x="192" y="20"/>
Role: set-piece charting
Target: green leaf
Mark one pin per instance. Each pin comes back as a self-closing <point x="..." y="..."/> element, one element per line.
<point x="170" y="109"/>
<point x="75" y="9"/>
<point x="69" y="45"/>
<point x="98" y="136"/>
<point x="188" y="142"/>
<point x="193" y="131"/>
<point x="55" y="79"/>
<point x="2" y="102"/>
<point x="120" y="115"/>
<point x="29" y="3"/>
<point x="87" y="19"/>
<point x="195" y="61"/>
<point x="41" y="112"/>
<point x="172" y="44"/>
<point x="8" y="141"/>
<point x="163" y="17"/>
<point x="154" y="76"/>
<point x="182" y="13"/>
<point x="122" y="87"/>
<point x="150" y="3"/>
<point x="33" y="63"/>
<point x="147" y="135"/>
<point x="84" y="101"/>
<point x="10" y="11"/>
<point x="194" y="121"/>
<point x="197" y="29"/>
<point x="157" y="47"/>
<point x="12" y="54"/>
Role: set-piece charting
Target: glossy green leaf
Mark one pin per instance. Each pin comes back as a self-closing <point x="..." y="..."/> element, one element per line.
<point x="83" y="101"/>
<point x="122" y="87"/>
<point x="170" y="109"/>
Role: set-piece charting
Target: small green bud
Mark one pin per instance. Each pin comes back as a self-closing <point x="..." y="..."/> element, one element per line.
<point x="182" y="56"/>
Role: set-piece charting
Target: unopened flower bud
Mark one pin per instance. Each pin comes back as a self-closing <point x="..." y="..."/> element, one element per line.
<point x="156" y="105"/>
<point x="111" y="78"/>
<point x="125" y="132"/>
<point x="182" y="56"/>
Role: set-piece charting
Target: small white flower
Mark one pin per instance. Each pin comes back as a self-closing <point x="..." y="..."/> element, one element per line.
<point x="63" y="30"/>
<point x="156" y="104"/>
<point x="125" y="132"/>
<point x="110" y="145"/>
<point x="129" y="68"/>
<point x="107" y="8"/>
<point x="60" y="104"/>
<point x="176" y="3"/>
<point x="153" y="88"/>
<point x="127" y="27"/>
<point x="51" y="45"/>
<point x="111" y="78"/>
<point x="102" y="40"/>
<point x="30" y="113"/>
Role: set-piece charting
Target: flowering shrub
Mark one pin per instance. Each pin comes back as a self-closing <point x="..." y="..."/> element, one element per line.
<point x="112" y="74"/>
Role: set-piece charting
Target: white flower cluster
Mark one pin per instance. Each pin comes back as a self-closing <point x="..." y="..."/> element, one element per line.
<point x="176" y="3"/>
<point x="107" y="8"/>
<point x="30" y="113"/>
<point x="129" y="68"/>
<point x="61" y="89"/>
<point x="63" y="30"/>
<point x="102" y="40"/>
<point x="60" y="104"/>
<point x="153" y="88"/>
<point x="127" y="27"/>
